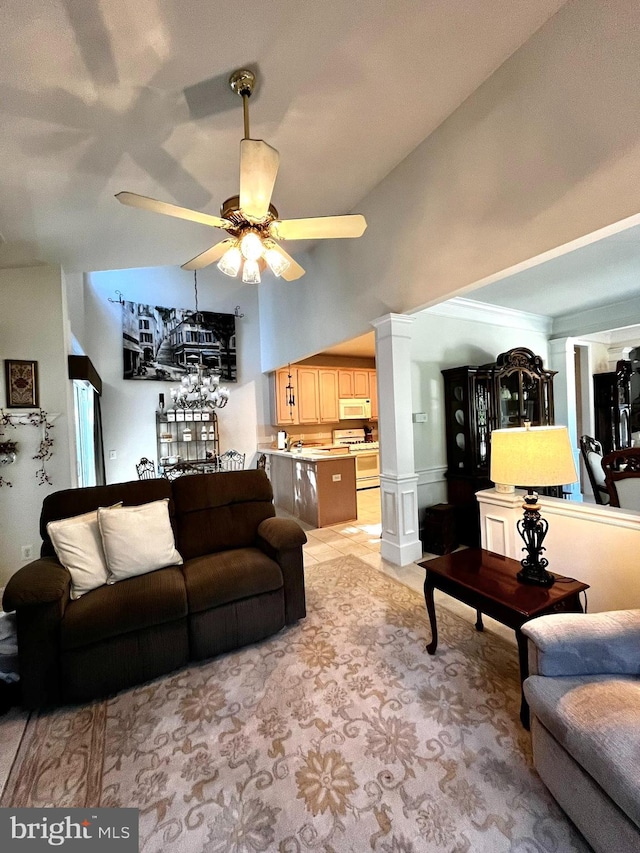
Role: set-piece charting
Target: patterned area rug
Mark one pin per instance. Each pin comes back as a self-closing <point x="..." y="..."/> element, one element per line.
<point x="339" y="734"/>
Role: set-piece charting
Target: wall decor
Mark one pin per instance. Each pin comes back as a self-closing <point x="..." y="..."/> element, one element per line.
<point x="22" y="383"/>
<point x="8" y="448"/>
<point x="165" y="344"/>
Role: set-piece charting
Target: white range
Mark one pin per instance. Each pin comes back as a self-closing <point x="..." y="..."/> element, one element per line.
<point x="366" y="453"/>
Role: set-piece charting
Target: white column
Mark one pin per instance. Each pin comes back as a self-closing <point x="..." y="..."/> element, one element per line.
<point x="398" y="480"/>
<point x="562" y="359"/>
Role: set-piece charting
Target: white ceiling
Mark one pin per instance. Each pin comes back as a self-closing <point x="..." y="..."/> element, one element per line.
<point x="92" y="102"/>
<point x="602" y="272"/>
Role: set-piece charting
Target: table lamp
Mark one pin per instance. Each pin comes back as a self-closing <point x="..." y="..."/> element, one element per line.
<point x="543" y="456"/>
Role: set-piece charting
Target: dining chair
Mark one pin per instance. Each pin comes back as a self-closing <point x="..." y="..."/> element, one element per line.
<point x="181" y="469"/>
<point x="231" y="460"/>
<point x="146" y="469"/>
<point x="591" y="451"/>
<point x="622" y="477"/>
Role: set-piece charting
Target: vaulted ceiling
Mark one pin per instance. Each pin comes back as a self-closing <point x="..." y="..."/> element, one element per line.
<point x="97" y="96"/>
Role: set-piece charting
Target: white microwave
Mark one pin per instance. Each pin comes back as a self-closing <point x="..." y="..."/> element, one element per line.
<point x="354" y="407"/>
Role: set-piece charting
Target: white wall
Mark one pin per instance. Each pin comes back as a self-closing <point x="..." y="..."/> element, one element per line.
<point x="33" y="326"/>
<point x="546" y="151"/>
<point x="128" y="406"/>
<point x="445" y="337"/>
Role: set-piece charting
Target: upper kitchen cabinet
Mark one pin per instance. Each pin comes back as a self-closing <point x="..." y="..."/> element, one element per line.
<point x="373" y="394"/>
<point x="308" y="403"/>
<point x="353" y="383"/>
<point x="316" y="393"/>
<point x="328" y="395"/>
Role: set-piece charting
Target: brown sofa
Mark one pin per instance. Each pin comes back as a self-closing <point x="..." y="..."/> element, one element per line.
<point x="242" y="580"/>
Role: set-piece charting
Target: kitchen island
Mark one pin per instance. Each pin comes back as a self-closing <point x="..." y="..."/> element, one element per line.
<point x="317" y="486"/>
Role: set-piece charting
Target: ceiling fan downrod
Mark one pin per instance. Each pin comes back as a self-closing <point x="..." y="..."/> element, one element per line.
<point x="242" y="83"/>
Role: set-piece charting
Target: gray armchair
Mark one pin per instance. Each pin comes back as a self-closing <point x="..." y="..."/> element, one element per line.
<point x="584" y="694"/>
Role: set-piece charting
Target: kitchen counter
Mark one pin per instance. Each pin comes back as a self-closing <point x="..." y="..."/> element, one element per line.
<point x="314" y="485"/>
<point x="311" y="454"/>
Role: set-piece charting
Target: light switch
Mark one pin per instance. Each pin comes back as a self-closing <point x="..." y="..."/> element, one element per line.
<point x="112" y="455"/>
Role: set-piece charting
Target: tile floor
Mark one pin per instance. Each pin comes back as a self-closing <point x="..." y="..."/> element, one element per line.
<point x="361" y="538"/>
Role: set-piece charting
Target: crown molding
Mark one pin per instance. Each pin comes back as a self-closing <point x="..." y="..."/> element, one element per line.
<point x="460" y="308"/>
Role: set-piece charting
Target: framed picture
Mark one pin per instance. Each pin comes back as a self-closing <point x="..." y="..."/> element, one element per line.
<point x="22" y="384"/>
<point x="164" y="344"/>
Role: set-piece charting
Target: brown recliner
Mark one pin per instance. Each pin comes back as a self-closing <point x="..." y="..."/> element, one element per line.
<point x="242" y="580"/>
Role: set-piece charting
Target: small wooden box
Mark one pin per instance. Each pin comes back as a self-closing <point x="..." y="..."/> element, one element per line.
<point x="439" y="530"/>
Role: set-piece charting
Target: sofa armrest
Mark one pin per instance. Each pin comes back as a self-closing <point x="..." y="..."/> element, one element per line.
<point x="39" y="593"/>
<point x="41" y="582"/>
<point x="282" y="540"/>
<point x="281" y="533"/>
<point x="584" y="644"/>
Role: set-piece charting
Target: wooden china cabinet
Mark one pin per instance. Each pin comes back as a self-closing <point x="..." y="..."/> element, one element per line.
<point x="478" y="399"/>
<point x="612" y="397"/>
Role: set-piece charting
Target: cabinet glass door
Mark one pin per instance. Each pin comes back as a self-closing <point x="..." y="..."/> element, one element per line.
<point x="519" y="399"/>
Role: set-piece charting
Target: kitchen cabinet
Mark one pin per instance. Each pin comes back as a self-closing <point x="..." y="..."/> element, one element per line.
<point x="307" y="400"/>
<point x="353" y="383"/>
<point x="345" y="383"/>
<point x="318" y="491"/>
<point x="328" y="395"/>
<point x="373" y="394"/>
<point x="361" y="383"/>
<point x="316" y="392"/>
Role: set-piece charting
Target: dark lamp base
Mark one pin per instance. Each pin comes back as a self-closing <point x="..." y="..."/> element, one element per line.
<point x="533" y="529"/>
<point x="540" y="578"/>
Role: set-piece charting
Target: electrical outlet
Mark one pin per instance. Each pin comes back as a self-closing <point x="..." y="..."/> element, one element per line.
<point x="112" y="455"/>
<point x="336" y="478"/>
<point x="27" y="552"/>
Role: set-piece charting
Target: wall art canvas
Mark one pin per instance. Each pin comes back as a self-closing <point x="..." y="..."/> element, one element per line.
<point x="162" y="344"/>
<point x="21" y="379"/>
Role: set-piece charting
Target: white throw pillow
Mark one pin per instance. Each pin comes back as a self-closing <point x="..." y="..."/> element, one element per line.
<point x="78" y="546"/>
<point x="137" y="539"/>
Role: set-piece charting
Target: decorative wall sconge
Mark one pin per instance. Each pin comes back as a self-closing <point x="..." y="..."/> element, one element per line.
<point x="8" y="451"/>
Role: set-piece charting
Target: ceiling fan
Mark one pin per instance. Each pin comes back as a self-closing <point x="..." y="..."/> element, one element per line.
<point x="250" y="219"/>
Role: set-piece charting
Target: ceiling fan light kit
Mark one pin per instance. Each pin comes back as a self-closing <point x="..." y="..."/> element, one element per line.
<point x="250" y="218"/>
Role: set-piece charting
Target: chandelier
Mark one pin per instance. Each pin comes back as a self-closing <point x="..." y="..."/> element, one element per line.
<point x="200" y="387"/>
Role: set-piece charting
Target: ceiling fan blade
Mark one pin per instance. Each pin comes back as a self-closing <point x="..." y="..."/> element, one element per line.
<point x="294" y="270"/>
<point x="258" y="171"/>
<point x="209" y="257"/>
<point x="152" y="204"/>
<point x="319" y="227"/>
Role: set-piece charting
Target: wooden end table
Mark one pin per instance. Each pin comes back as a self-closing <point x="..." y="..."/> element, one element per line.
<point x="487" y="582"/>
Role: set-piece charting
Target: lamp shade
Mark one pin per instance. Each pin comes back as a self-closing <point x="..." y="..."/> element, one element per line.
<point x="532" y="456"/>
